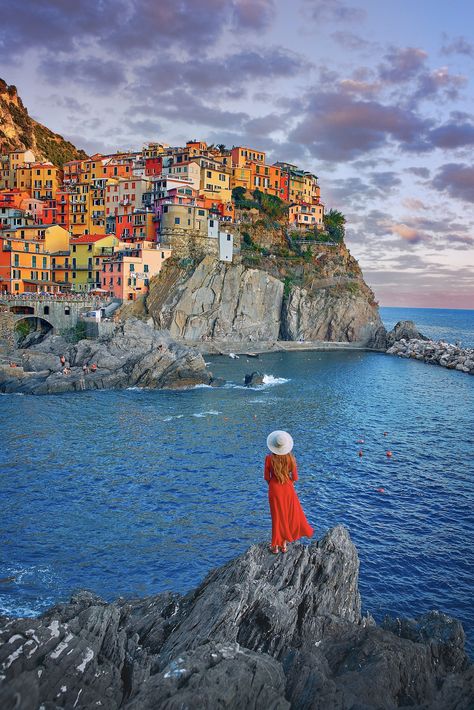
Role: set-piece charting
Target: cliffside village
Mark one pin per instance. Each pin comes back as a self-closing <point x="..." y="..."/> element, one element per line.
<point x="106" y="224"/>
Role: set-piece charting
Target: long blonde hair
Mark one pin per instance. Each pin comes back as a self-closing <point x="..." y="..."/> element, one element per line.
<point x="282" y="466"/>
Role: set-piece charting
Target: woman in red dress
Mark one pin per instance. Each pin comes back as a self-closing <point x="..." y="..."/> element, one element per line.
<point x="288" y="519"/>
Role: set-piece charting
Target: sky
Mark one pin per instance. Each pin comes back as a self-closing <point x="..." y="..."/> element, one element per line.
<point x="373" y="96"/>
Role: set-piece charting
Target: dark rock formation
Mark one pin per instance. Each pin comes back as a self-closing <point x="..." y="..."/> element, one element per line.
<point x="261" y="632"/>
<point x="255" y="378"/>
<point x="406" y="330"/>
<point x="136" y="355"/>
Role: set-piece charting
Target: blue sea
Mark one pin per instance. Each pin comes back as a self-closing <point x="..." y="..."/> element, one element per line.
<point x="135" y="492"/>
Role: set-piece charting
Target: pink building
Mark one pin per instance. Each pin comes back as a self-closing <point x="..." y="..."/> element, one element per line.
<point x="126" y="274"/>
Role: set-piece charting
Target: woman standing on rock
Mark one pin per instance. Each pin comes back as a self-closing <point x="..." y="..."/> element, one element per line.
<point x="288" y="519"/>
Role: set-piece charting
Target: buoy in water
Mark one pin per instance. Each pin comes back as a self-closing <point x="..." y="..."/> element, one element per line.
<point x="361" y="453"/>
<point x="360" y="441"/>
<point x="380" y="490"/>
<point x="385" y="433"/>
<point x="389" y="454"/>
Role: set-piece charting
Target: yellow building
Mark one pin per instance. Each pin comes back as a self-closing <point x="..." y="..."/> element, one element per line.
<point x="78" y="209"/>
<point x="30" y="250"/>
<point x="87" y="254"/>
<point x="241" y="177"/>
<point x="242" y="155"/>
<point x="215" y="181"/>
<point x="45" y="180"/>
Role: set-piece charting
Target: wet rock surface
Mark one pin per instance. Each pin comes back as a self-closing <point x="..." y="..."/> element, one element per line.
<point x="136" y="355"/>
<point x="254" y="378"/>
<point x="263" y="631"/>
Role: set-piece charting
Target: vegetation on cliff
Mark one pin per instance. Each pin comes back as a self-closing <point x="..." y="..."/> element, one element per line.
<point x="18" y="131"/>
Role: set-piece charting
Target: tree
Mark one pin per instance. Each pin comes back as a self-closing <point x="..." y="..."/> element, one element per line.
<point x="334" y="222"/>
<point x="238" y="194"/>
<point x="221" y="147"/>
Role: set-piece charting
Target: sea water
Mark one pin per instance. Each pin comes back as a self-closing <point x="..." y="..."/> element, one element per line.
<point x="135" y="492"/>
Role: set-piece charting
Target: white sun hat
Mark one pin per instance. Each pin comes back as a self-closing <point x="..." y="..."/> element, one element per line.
<point x="280" y="442"/>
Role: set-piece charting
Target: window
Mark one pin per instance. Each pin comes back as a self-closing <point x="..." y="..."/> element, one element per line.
<point x="228" y="237"/>
<point x="44" y="262"/>
<point x="201" y="213"/>
<point x="67" y="311"/>
<point x="33" y="261"/>
<point x="74" y="248"/>
<point x="211" y="222"/>
<point x="208" y="174"/>
<point x="89" y="247"/>
<point x="162" y="254"/>
<point x="73" y="274"/>
<point x="132" y="267"/>
<point x="145" y="268"/>
<point x="177" y="220"/>
<point x="89" y="274"/>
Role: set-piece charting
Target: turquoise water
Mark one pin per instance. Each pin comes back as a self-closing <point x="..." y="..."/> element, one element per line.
<point x="135" y="492"/>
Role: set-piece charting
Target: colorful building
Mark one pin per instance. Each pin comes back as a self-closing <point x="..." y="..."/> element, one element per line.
<point x="25" y="258"/>
<point x="126" y="274"/>
<point x="87" y="253"/>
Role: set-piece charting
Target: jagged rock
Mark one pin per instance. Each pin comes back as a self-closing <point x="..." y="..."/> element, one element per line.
<point x="260" y="632"/>
<point x="222" y="302"/>
<point x="136" y="355"/>
<point x="255" y="378"/>
<point x="406" y="330"/>
<point x="330" y="315"/>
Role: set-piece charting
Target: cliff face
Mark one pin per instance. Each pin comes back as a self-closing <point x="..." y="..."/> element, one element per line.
<point x="18" y="131"/>
<point x="318" y="296"/>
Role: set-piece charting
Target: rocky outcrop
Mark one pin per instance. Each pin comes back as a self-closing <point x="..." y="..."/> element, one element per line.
<point x="236" y="303"/>
<point x="254" y="378"/>
<point x="330" y="315"/>
<point x="220" y="301"/>
<point x="404" y="330"/>
<point x="261" y="632"/>
<point x="441" y="353"/>
<point x="18" y="131"/>
<point x="136" y="355"/>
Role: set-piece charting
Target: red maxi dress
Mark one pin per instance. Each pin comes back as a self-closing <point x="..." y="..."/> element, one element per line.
<point x="288" y="519"/>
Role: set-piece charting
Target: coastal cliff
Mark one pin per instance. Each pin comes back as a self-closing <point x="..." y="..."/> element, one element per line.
<point x="267" y="296"/>
<point x="261" y="632"/>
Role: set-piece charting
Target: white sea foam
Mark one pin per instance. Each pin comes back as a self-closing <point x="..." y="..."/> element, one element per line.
<point x="171" y="416"/>
<point x="268" y="381"/>
<point x="211" y="412"/>
<point x="202" y="387"/>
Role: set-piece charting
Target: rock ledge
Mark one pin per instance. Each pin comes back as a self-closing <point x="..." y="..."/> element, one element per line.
<point x="261" y="632"/>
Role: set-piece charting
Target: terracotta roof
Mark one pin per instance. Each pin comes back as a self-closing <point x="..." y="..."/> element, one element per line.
<point x="89" y="238"/>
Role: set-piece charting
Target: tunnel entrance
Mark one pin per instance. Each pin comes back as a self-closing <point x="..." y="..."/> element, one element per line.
<point x="29" y="331"/>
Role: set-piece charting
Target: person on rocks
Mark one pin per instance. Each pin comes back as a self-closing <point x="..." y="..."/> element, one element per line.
<point x="62" y="360"/>
<point x="288" y="519"/>
<point x="93" y="367"/>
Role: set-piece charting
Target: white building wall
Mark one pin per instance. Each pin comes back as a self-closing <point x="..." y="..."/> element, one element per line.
<point x="213" y="227"/>
<point x="226" y="246"/>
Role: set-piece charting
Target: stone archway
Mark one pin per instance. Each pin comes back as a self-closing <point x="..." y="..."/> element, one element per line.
<point x="30" y="330"/>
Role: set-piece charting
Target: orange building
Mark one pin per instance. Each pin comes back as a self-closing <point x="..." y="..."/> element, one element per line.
<point x="25" y="259"/>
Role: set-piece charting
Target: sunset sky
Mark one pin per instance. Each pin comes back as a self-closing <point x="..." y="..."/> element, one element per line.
<point x="374" y="96"/>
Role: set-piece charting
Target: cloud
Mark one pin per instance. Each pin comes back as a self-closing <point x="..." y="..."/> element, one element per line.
<point x="419" y="172"/>
<point x="338" y="127"/>
<point x="413" y="204"/>
<point x="408" y="234"/>
<point x="333" y="11"/>
<point x="459" y="45"/>
<point x="453" y="135"/>
<point x="253" y="14"/>
<point x="97" y="74"/>
<point x="457" y="179"/>
<point x="439" y="83"/>
<point x="185" y="106"/>
<point x="402" y="64"/>
<point x="349" y="40"/>
<point x="127" y="26"/>
<point x="229" y="72"/>
<point x="385" y="181"/>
